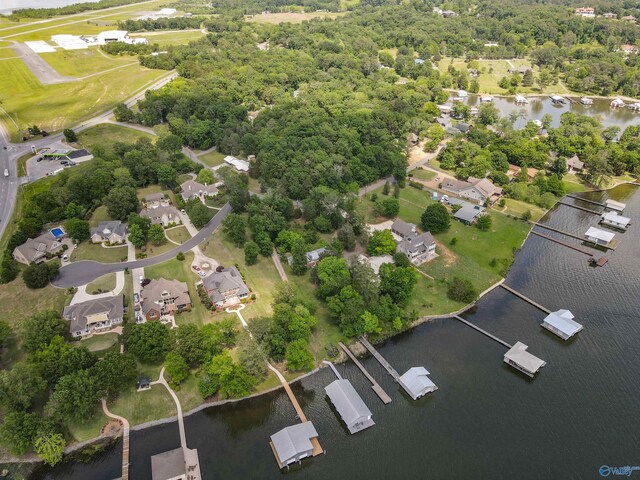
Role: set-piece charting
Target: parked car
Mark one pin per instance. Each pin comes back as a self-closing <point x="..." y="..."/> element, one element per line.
<point x="136" y="298"/>
<point x="141" y="279"/>
<point x="64" y="162"/>
<point x="65" y="258"/>
<point x="39" y="159"/>
<point x="196" y="268"/>
<point x="202" y="274"/>
<point x="183" y="212"/>
<point x="145" y="282"/>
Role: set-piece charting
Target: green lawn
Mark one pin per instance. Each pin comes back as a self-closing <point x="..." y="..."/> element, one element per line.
<point x="106" y="135"/>
<point x="262" y="278"/>
<point x="178" y="234"/>
<point x="422" y="174"/>
<point x="21" y="164"/>
<point x="99" y="343"/>
<point x="143" y="192"/>
<point x="518" y="208"/>
<point x="212" y="159"/>
<point x="170" y="38"/>
<point x="151" y="250"/>
<point x="106" y="283"/>
<point x="95" y="251"/>
<point x="80" y="63"/>
<point x="100" y="214"/>
<point x="141" y="407"/>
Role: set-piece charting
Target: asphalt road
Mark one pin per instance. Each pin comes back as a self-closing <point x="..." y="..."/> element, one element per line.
<point x="80" y="273"/>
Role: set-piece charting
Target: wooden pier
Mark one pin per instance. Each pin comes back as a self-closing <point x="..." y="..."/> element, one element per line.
<point x="387" y="366"/>
<point x="572" y="247"/>
<point x="588" y="210"/>
<point x="492" y="337"/>
<point x="611" y="246"/>
<point x="588" y="201"/>
<point x="374" y="385"/>
<point x="525" y="298"/>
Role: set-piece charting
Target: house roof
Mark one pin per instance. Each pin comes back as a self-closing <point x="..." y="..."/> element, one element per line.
<point x="417" y="245"/>
<point x="35" y="248"/>
<point x="485" y="186"/>
<point x="615" y="205"/>
<point x="598" y="234"/>
<point x="468" y="212"/>
<point x="348" y="403"/>
<point x="154" y="197"/>
<point x="191" y="188"/>
<point x="463" y="127"/>
<point x="314" y="255"/>
<point x="154" y="293"/>
<point x="291" y="441"/>
<point x="78" y="313"/>
<point x="224" y="281"/>
<point x="404" y="229"/>
<point x="518" y="354"/>
<point x="416" y="381"/>
<point x="575" y="162"/>
<point x="156" y="214"/>
<point x="167" y="465"/>
<point x="238" y="164"/>
<point x="614" y="217"/>
<point x="74" y="154"/>
<point x="563" y="320"/>
<point x="105" y="229"/>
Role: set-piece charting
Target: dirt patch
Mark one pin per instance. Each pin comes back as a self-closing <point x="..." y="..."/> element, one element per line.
<point x="447" y="255"/>
<point x="416" y="153"/>
<point x="112" y="428"/>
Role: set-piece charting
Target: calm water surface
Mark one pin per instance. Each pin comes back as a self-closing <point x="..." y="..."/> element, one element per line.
<point x="486" y="421"/>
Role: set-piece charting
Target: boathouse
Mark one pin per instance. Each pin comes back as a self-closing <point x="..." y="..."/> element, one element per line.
<point x="520" y="359"/>
<point x="562" y="324"/>
<point x="292" y="444"/>
<point x="599" y="237"/>
<point x="169" y="465"/>
<point x="521" y="100"/>
<point x="557" y="99"/>
<point x="614" y="220"/>
<point x="613" y="205"/>
<point x="349" y="405"/>
<point x="416" y="382"/>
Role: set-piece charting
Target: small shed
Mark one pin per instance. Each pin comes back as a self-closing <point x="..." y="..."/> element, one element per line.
<point x="416" y="382"/>
<point x="169" y="465"/>
<point x="613" y="219"/>
<point x="613" y="205"/>
<point x="562" y="324"/>
<point x="292" y="444"/>
<point x="599" y="237"/>
<point x="520" y="359"/>
<point x="349" y="405"/>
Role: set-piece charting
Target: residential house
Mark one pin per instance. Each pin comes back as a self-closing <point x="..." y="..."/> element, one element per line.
<point x="239" y="165"/>
<point x="628" y="49"/>
<point x="463" y="127"/>
<point x="587" y="12"/>
<point x="192" y="189"/>
<point x="155" y="200"/>
<point x="36" y="250"/>
<point x="164" y="216"/>
<point x="629" y="18"/>
<point x="349" y="405"/>
<point x="164" y="297"/>
<point x="403" y="229"/>
<point x="480" y="190"/>
<point x="574" y="165"/>
<point x="467" y="213"/>
<point x="610" y="15"/>
<point x="225" y="287"/>
<point x="111" y="232"/>
<point x="514" y="171"/>
<point x="448" y="13"/>
<point x="418" y="249"/>
<point x="314" y="256"/>
<point x="519" y="70"/>
<point x="97" y="315"/>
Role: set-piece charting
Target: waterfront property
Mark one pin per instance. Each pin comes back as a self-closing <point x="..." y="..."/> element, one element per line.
<point x="416" y="382"/>
<point x="349" y="405"/>
<point x="37" y="250"/>
<point x="293" y="443"/>
<point x="562" y="324"/>
<point x="469" y="213"/>
<point x="111" y="232"/>
<point x="612" y="219"/>
<point x="169" y="465"/>
<point x="226" y="288"/>
<point x="480" y="190"/>
<point x="520" y="359"/>
<point x="92" y="316"/>
<point x="164" y="297"/>
<point x="599" y="237"/>
<point x="613" y="205"/>
<point x="574" y="165"/>
<point x="419" y="249"/>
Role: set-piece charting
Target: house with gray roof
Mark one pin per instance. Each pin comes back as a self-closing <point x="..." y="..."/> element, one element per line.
<point x="416" y="382"/>
<point x="520" y="359"/>
<point x="154" y="200"/>
<point x="479" y="190"/>
<point x="574" y="165"/>
<point x="349" y="405"/>
<point x="192" y="189"/>
<point x="37" y="250"/>
<point x="418" y="249"/>
<point x="164" y="215"/>
<point x="469" y="213"/>
<point x="111" y="232"/>
<point x="403" y="229"/>
<point x="164" y="297"/>
<point x="226" y="287"/>
<point x="97" y="315"/>
<point x="169" y="465"/>
<point x="562" y="324"/>
<point x="292" y="444"/>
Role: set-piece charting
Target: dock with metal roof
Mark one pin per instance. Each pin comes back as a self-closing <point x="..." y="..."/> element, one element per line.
<point x="386" y="399"/>
<point x="611" y="246"/>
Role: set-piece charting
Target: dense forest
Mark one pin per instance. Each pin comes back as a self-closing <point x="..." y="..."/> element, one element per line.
<point x="23" y="13"/>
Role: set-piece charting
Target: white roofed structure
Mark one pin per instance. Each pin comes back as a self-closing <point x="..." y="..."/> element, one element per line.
<point x="613" y="205"/>
<point x="613" y="219"/>
<point x="562" y="324"/>
<point x="292" y="444"/>
<point x="599" y="237"/>
<point x="349" y="405"/>
<point x="240" y="165"/>
<point x="416" y="382"/>
<point x="520" y="359"/>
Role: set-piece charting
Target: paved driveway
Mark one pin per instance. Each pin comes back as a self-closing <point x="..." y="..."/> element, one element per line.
<point x="80" y="273"/>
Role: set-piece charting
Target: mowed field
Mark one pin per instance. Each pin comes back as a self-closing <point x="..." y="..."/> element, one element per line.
<point x="291" y="17"/>
<point x="80" y="63"/>
<point x="180" y="37"/>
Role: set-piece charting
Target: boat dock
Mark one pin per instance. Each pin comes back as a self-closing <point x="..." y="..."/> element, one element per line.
<point x="611" y="246"/>
<point x="386" y="399"/>
<point x="387" y="366"/>
<point x="333" y="367"/>
<point x="525" y="298"/>
<point x="588" y="210"/>
<point x="588" y="201"/>
<point x="484" y="332"/>
<point x="577" y="249"/>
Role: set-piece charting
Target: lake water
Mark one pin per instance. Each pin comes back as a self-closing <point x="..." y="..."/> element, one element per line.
<point x="7" y="6"/>
<point x="539" y="106"/>
<point x="486" y="421"/>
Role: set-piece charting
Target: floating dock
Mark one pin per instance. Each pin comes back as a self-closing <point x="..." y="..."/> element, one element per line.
<point x="386" y="399"/>
<point x="387" y="366"/>
<point x="525" y="298"/>
<point x="484" y="332"/>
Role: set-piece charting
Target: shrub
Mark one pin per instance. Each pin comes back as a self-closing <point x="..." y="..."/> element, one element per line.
<point x="462" y="290"/>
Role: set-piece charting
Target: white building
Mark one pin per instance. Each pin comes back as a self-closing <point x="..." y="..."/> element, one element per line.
<point x="613" y="205"/>
<point x="292" y="444"/>
<point x="587" y="12"/>
<point x="349" y="405"/>
<point x="416" y="382"/>
<point x="240" y="165"/>
<point x="562" y="324"/>
<point x="614" y="220"/>
<point x="599" y="237"/>
<point x="520" y="359"/>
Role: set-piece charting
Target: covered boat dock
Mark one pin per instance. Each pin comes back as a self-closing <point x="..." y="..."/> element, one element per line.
<point x="562" y="324"/>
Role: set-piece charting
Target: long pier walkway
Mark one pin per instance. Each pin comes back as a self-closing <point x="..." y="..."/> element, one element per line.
<point x="475" y="327"/>
<point x="588" y="201"/>
<point x="612" y="246"/>
<point x="572" y="247"/>
<point x="317" y="449"/>
<point x="380" y="358"/>
<point x="588" y="210"/>
<point x="374" y="385"/>
<point x="525" y="298"/>
<point x="125" y="439"/>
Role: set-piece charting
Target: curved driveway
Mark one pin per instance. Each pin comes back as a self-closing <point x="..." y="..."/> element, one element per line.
<point x="86" y="271"/>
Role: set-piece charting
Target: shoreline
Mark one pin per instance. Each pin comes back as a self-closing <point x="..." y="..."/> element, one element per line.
<point x="572" y="95"/>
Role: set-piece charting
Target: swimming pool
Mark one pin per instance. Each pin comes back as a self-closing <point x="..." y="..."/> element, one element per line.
<point x="57" y="232"/>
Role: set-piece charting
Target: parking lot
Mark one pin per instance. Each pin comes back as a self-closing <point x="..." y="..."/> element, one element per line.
<point x="49" y="166"/>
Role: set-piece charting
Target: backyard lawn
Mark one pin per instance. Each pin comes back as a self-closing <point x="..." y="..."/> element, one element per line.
<point x="105" y="135"/>
<point x="99" y="343"/>
<point x="212" y="159"/>
<point x="143" y="192"/>
<point x="422" y="174"/>
<point x="178" y="234"/>
<point x="106" y="283"/>
<point x="95" y="251"/>
<point x="518" y="208"/>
